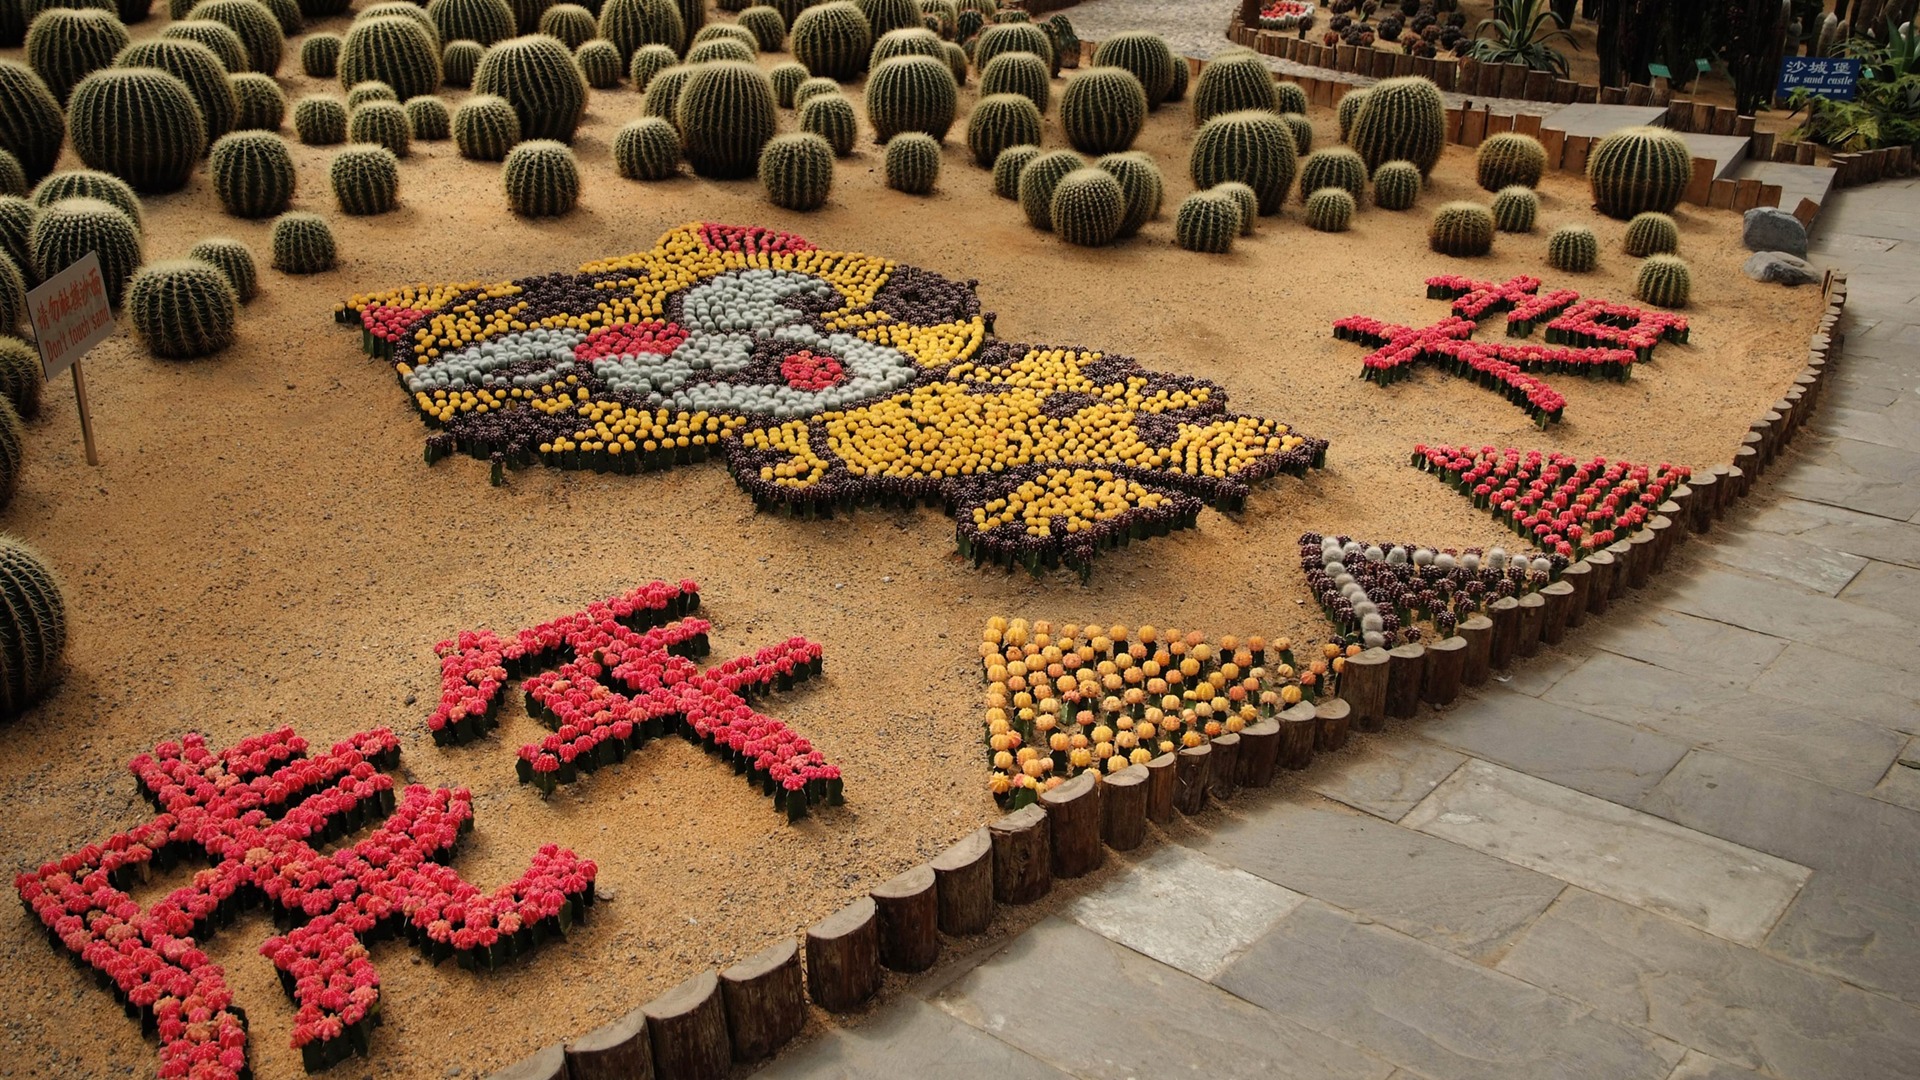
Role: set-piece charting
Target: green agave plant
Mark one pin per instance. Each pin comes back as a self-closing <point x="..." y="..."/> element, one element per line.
<point x="1520" y="32"/>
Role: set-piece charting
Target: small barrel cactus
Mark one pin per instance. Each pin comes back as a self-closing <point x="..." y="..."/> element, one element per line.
<point x="320" y="121"/>
<point x="1011" y="37"/>
<point x="542" y="179"/>
<point x="599" y="64"/>
<point x="797" y="171"/>
<point x="786" y="78"/>
<point x="405" y="9"/>
<point x="91" y="184"/>
<point x="1290" y="97"/>
<point x="483" y="21"/>
<point x="35" y="629"/>
<point x="728" y="31"/>
<point x="458" y="61"/>
<point x="769" y="30"/>
<point x="320" y="55"/>
<point x="258" y="102"/>
<point x="1251" y="146"/>
<point x="366" y="179"/>
<point x="1348" y="110"/>
<point x="1088" y="207"/>
<point x="832" y="39"/>
<point x="911" y="93"/>
<point x="1244" y="198"/>
<point x="391" y="49"/>
<point x="537" y="76"/>
<point x="1396" y="185"/>
<point x="1000" y="121"/>
<point x="662" y="98"/>
<point x="1664" y="281"/>
<point x="1510" y="158"/>
<point x="371" y="90"/>
<point x="195" y="65"/>
<point x="1233" y="80"/>
<point x="648" y="61"/>
<point x="302" y="244"/>
<point x="1103" y="110"/>
<point x="216" y="36"/>
<point x="429" y="119"/>
<point x="1638" y="169"/>
<point x="252" y="173"/>
<point x="234" y="262"/>
<point x="1301" y="129"/>
<point x="1008" y="166"/>
<point x="182" y="308"/>
<point x="1037" y="181"/>
<point x="1336" y="166"/>
<point x="886" y="16"/>
<point x="1018" y="73"/>
<point x="286" y="13"/>
<point x="20" y="375"/>
<point x="726" y="114"/>
<point x="1207" y="222"/>
<point x="383" y="123"/>
<point x="1573" y="248"/>
<point x="13" y="175"/>
<point x="913" y="162"/>
<point x="63" y="233"/>
<point x="259" y="30"/>
<point x="1140" y="182"/>
<point x="630" y="24"/>
<point x="647" y="149"/>
<point x="956" y="58"/>
<point x="1515" y="208"/>
<point x="65" y="46"/>
<point x="831" y="117"/>
<point x="13" y="296"/>
<point x="1402" y="119"/>
<point x="13" y="435"/>
<point x="1147" y="56"/>
<point x="721" y="48"/>
<point x="1330" y="209"/>
<point x="572" y="24"/>
<point x="813" y="86"/>
<point x="16" y="227"/>
<point x="32" y="125"/>
<point x="1652" y="233"/>
<point x="1461" y="229"/>
<point x="911" y="41"/>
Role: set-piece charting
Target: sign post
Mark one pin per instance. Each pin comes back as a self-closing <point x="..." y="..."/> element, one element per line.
<point x="1834" y="77"/>
<point x="70" y="315"/>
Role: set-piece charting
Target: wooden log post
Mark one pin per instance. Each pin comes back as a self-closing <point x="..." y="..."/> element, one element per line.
<point x="1640" y="566"/>
<point x="1123" y="808"/>
<point x="1478" y="630"/>
<point x="909" y="910"/>
<point x="1365" y="687"/>
<point x="546" y="1063"/>
<point x="1330" y="718"/>
<point x="1022" y="856"/>
<point x="1223" y="773"/>
<point x="1446" y="666"/>
<point x="1559" y="598"/>
<point x="1298" y="727"/>
<point x="963" y="884"/>
<point x="1664" y="530"/>
<point x="1162" y="786"/>
<point x="1729" y="485"/>
<point x="766" y="1001"/>
<point x="687" y="1026"/>
<point x="843" y="957"/>
<point x="1406" y="667"/>
<point x="1073" y="818"/>
<point x="1703" y="483"/>
<point x="1622" y="551"/>
<point x="1191" y="779"/>
<point x="615" y="1051"/>
<point x="1601" y="591"/>
<point x="1505" y="613"/>
<point x="1580" y="576"/>
<point x="1259" y="752"/>
<point x="1533" y="622"/>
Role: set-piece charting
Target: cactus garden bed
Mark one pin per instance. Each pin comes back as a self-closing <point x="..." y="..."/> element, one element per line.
<point x="265" y="548"/>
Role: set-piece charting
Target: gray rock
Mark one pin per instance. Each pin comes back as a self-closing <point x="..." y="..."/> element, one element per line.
<point x="1770" y="228"/>
<point x="1780" y="268"/>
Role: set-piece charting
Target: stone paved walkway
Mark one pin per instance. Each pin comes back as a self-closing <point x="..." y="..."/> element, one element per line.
<point x="1687" y="846"/>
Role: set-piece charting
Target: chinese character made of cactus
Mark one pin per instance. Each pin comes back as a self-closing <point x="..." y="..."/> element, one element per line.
<point x="827" y="381"/>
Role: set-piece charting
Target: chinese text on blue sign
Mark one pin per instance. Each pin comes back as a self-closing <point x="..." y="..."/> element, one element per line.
<point x="1822" y="76"/>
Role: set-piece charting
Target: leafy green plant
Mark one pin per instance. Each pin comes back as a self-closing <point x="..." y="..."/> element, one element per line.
<point x="1886" y="109"/>
<point x="1521" y="32"/>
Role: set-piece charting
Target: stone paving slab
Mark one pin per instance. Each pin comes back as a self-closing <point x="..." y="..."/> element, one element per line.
<point x="1725" y="889"/>
<point x="1099" y="1010"/>
<point x="1901" y="785"/>
<point x="1813" y="568"/>
<point x="1595" y="120"/>
<point x="1770" y="607"/>
<point x="1680" y="642"/>
<point x="1861" y="933"/>
<point x="1726" y="151"/>
<point x="1384" y="777"/>
<point x="909" y="1038"/>
<point x="1734" y="1003"/>
<point x="1840" y="529"/>
<point x="1432" y="1012"/>
<point x="1892" y="589"/>
<point x="1185" y="910"/>
<point x="1699" y="1066"/>
<point x="1844" y="685"/>
<point x="1796" y="181"/>
<point x="1858" y="475"/>
<point x="1896" y="425"/>
<point x="1437" y="891"/>
<point x="1574" y="749"/>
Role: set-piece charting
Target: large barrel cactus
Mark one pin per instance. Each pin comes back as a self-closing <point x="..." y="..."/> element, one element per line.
<point x="1509" y="158"/>
<point x="1008" y="167"/>
<point x="1011" y="37"/>
<point x="1461" y="229"/>
<point x="259" y="31"/>
<point x="1396" y="185"/>
<point x="911" y="93"/>
<point x="1403" y="119"/>
<point x="394" y="50"/>
<point x="366" y="179"/>
<point x="65" y="46"/>
<point x="786" y="79"/>
<point x="912" y="162"/>
<point x="429" y="118"/>
<point x="91" y="184"/>
<point x="647" y="149"/>
<point x="32" y="127"/>
<point x="1652" y="233"/>
<point x="182" y="308"/>
<point x="769" y="30"/>
<point x="216" y="36"/>
<point x="913" y="41"/>
<point x="537" y="76"/>
<point x="194" y="64"/>
<point x="832" y="39"/>
<point x="320" y="121"/>
<point x="252" y="173"/>
<point x="139" y="124"/>
<point x="1148" y="56"/>
<point x="1088" y="207"/>
<point x="258" y="102"/>
<point x="1574" y="249"/>
<point x="1515" y="209"/>
<point x="1103" y="110"/>
<point x="1664" y="281"/>
<point x="1252" y="146"/>
<point x="1234" y="80"/>
<point x="34" y="634"/>
<point x="727" y="113"/>
<point x="63" y="233"/>
<point x="1337" y="167"/>
<point x="599" y="63"/>
<point x="662" y="98"/>
<point x="483" y="21"/>
<point x="320" y="55"/>
<point x="1018" y="73"/>
<point x="721" y="48"/>
<point x="572" y="24"/>
<point x="630" y="24"/>
<point x="1207" y="222"/>
<point x="1638" y="169"/>
<point x="886" y="16"/>
<point x="383" y="123"/>
<point x="1000" y="121"/>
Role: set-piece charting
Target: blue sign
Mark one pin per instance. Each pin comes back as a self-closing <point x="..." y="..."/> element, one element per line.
<point x="1832" y="77"/>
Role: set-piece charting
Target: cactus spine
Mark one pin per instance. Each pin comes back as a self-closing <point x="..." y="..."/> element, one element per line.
<point x="302" y="244"/>
<point x="217" y="37"/>
<point x="259" y="31"/>
<point x="1234" y="80"/>
<point x="1510" y="158"/>
<point x="832" y="39"/>
<point x="911" y="93"/>
<point x="1007" y="168"/>
<point x="1403" y="119"/>
<point x="630" y="24"/>
<point x="1088" y="207"/>
<point x="252" y="173"/>
<point x="786" y="79"/>
<point x="1000" y="121"/>
<point x="366" y="179"/>
<point x="1140" y="182"/>
<point x="383" y="123"/>
<point x="542" y="179"/>
<point x="20" y="375"/>
<point x="64" y="232"/>
<point x="481" y="21"/>
<point x="1206" y="222"/>
<point x="234" y="262"/>
<point x="90" y="184"/>
<point x="35" y="631"/>
<point x="458" y="61"/>
<point x="769" y="30"/>
<point x="647" y="149"/>
<point x="258" y="102"/>
<point x="572" y="24"/>
<point x="195" y="65"/>
<point x="1147" y="56"/>
<point x="537" y="76"/>
<point x="797" y="171"/>
<point x="726" y="113"/>
<point x="1664" y="281"/>
<point x="599" y="64"/>
<point x="1573" y="248"/>
<point x="1515" y="209"/>
<point x="1461" y="229"/>
<point x="32" y="127"/>
<point x="1251" y="146"/>
<point x="182" y="309"/>
<point x="1037" y="181"/>
<point x="913" y="162"/>
<point x="1011" y="37"/>
<point x="65" y="46"/>
<point x="140" y="124"/>
<point x="1103" y="110"/>
<point x="1652" y="233"/>
<point x="1638" y="169"/>
<point x="1396" y="185"/>
<point x="485" y="128"/>
<point x="1336" y="166"/>
<point x="1020" y="73"/>
<point x="1330" y="209"/>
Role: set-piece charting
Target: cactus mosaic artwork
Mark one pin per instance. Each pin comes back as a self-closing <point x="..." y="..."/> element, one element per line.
<point x="827" y="381"/>
<point x="1557" y="502"/>
<point x="1380" y="595"/>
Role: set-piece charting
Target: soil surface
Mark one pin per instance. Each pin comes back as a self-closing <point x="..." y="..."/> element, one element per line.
<point x="263" y="546"/>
